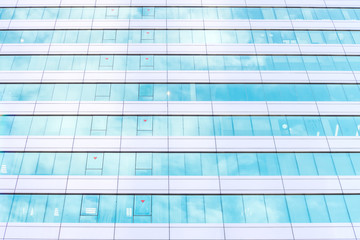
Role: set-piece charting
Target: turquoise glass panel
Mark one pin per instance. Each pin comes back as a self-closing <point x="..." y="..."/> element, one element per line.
<point x="180" y="208"/>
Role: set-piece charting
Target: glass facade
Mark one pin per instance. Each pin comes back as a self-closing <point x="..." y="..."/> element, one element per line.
<point x="179" y="126"/>
<point x="179" y="209"/>
<point x="178" y="63"/>
<point x="180" y="164"/>
<point x="115" y="162"/>
<point x="181" y="36"/>
<point x="179" y="92"/>
<point x="265" y="13"/>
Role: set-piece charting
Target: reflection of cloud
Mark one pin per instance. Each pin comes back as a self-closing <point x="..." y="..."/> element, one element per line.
<point x="5" y="124"/>
<point x="247" y="159"/>
<point x="255" y="209"/>
<point x="12" y="37"/>
<point x="21" y="13"/>
<point x="178" y="209"/>
<point x="297" y="129"/>
<point x="251" y="62"/>
<point x="29" y="93"/>
<point x="44" y="36"/>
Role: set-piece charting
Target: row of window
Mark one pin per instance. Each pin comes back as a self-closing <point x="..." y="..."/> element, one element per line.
<point x="179" y="92"/>
<point x="181" y="13"/>
<point x="180" y="208"/>
<point x="181" y="164"/>
<point x="179" y="126"/>
<point x="181" y="36"/>
<point x="178" y="62"/>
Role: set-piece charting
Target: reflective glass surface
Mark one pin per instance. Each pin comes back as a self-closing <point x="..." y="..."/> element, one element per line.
<point x="181" y="13"/>
<point x="179" y="208"/>
<point x="177" y="62"/>
<point x="180" y="36"/>
<point x="180" y="164"/>
<point x="179" y="92"/>
<point x="179" y="126"/>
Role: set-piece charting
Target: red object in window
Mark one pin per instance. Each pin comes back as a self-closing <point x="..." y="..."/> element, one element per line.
<point x="142" y="201"/>
<point x="148" y="9"/>
<point x="147" y="58"/>
<point x="145" y="120"/>
<point x="147" y="32"/>
<point x="112" y="9"/>
<point x="95" y="157"/>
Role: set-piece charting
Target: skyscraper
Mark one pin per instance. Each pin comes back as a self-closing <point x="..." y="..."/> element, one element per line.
<point x="167" y="119"/>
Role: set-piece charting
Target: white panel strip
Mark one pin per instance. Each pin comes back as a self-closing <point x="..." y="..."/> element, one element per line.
<point x="92" y="184"/>
<point x="2" y="229"/>
<point x="179" y="77"/>
<point x="103" y="231"/>
<point x="42" y="143"/>
<point x="143" y="184"/>
<point x="194" y="184"/>
<point x="259" y="231"/>
<point x="41" y="184"/>
<point x="327" y="231"/>
<point x="197" y="231"/>
<point x="251" y="185"/>
<point x="159" y="48"/>
<point x="180" y="144"/>
<point x="308" y="184"/>
<point x="245" y="144"/>
<point x="7" y="184"/>
<point x="179" y="184"/>
<point x="179" y="108"/>
<point x="357" y="229"/>
<point x="344" y="3"/>
<point x="48" y="231"/>
<point x="344" y="144"/>
<point x="350" y="184"/>
<point x="96" y="143"/>
<point x="144" y="144"/>
<point x="12" y="143"/>
<point x="159" y="231"/>
<point x="179" y="24"/>
<point x="191" y="144"/>
<point x="302" y="144"/>
<point x="233" y="231"/>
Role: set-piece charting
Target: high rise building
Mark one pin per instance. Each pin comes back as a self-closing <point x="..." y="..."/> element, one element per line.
<point x="179" y="119"/>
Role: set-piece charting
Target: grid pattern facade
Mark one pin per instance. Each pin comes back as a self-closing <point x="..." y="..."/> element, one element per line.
<point x="167" y="119"/>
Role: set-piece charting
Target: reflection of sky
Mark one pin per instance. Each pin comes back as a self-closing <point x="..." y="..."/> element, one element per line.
<point x="181" y="13"/>
<point x="21" y="13"/>
<point x="162" y="63"/>
<point x="178" y="126"/>
<point x="255" y="209"/>
<point x="20" y="208"/>
<point x="5" y="124"/>
<point x="177" y="92"/>
<point x="36" y="13"/>
<point x="183" y="209"/>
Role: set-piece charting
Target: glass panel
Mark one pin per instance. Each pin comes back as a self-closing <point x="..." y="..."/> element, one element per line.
<point x="276" y="209"/>
<point x="233" y="209"/>
<point x="255" y="211"/>
<point x="297" y="209"/>
<point x="317" y="209"/>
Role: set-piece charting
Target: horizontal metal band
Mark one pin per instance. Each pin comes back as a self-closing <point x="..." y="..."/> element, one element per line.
<point x="163" y="48"/>
<point x="180" y="184"/>
<point x="180" y="144"/>
<point x="179" y="77"/>
<point x="179" y="108"/>
<point x="179" y="24"/>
